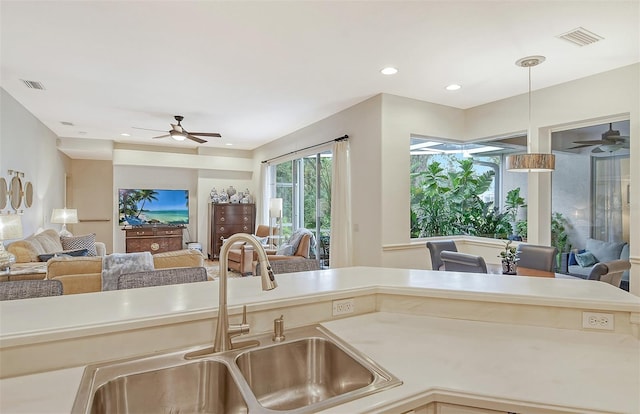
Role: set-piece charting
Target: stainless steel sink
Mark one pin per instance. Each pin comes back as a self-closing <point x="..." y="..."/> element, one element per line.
<point x="197" y="387"/>
<point x="310" y="371"/>
<point x="300" y="373"/>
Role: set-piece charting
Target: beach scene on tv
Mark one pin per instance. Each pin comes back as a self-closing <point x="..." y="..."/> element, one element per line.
<point x="140" y="207"/>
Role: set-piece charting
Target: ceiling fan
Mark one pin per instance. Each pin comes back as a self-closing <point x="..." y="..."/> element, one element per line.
<point x="611" y="141"/>
<point x="178" y="133"/>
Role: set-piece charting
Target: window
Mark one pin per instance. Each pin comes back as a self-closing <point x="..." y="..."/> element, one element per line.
<point x="591" y="190"/>
<point x="460" y="189"/>
<point x="304" y="184"/>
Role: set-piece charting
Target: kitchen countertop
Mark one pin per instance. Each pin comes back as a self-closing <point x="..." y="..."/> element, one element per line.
<point x="475" y="363"/>
<point x="481" y="361"/>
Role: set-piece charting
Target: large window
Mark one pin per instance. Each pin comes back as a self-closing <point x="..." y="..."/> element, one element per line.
<point x="591" y="189"/>
<point x="460" y="189"/>
<point x="304" y="184"/>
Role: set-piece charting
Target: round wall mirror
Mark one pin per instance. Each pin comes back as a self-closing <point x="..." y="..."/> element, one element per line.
<point x="15" y="192"/>
<point x="3" y="193"/>
<point x="28" y="194"/>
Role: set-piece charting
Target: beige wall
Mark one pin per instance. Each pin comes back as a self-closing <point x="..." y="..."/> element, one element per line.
<point x="89" y="190"/>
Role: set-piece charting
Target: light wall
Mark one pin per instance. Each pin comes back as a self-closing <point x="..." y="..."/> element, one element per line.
<point x="28" y="146"/>
<point x="379" y="130"/>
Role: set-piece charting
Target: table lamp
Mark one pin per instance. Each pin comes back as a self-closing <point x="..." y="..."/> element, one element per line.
<point x="64" y="216"/>
<point x="275" y="212"/>
<point x="10" y="228"/>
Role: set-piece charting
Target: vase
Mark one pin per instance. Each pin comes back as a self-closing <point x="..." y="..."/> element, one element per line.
<point x="509" y="267"/>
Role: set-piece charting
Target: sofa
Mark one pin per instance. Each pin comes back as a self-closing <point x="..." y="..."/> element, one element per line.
<point x="84" y="274"/>
<point x="581" y="262"/>
<point x="36" y="247"/>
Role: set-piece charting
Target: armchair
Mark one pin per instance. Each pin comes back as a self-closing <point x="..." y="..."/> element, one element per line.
<point x="241" y="255"/>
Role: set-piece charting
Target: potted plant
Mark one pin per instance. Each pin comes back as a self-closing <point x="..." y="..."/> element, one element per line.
<point x="509" y="258"/>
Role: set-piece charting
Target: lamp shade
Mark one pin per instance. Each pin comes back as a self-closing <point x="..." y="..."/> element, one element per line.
<point x="64" y="216"/>
<point x="531" y="162"/>
<point x="10" y="227"/>
<point x="275" y="207"/>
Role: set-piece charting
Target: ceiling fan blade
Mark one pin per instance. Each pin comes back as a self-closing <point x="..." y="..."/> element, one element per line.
<point x="207" y="134"/>
<point x="161" y="136"/>
<point x="579" y="146"/>
<point x="596" y="150"/>
<point x="147" y="129"/>
<point x="592" y="142"/>
<point x="196" y="139"/>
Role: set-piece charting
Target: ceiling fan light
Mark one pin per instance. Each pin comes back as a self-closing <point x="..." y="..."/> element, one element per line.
<point x="178" y="135"/>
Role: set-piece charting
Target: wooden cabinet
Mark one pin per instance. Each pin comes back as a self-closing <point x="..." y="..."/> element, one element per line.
<point x="153" y="239"/>
<point x="226" y="220"/>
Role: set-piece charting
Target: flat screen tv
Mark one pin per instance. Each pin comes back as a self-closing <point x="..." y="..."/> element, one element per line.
<point x="140" y="207"/>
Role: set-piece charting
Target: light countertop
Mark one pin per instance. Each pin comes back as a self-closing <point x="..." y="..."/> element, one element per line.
<point x="476" y="363"/>
<point x="490" y="363"/>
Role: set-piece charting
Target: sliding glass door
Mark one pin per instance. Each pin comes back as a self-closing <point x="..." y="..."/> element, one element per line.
<point x="304" y="184"/>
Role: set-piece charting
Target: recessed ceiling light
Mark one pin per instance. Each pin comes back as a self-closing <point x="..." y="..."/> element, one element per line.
<point x="389" y="71"/>
<point x="453" y="87"/>
<point x="124" y="134"/>
<point x="228" y="144"/>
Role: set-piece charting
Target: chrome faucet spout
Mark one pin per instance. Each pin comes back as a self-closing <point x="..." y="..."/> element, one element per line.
<point x="224" y="332"/>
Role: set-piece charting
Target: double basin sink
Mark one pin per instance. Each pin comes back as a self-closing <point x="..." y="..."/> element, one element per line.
<point x="310" y="371"/>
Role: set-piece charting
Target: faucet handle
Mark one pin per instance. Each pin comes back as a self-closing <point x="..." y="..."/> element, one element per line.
<point x="240" y="328"/>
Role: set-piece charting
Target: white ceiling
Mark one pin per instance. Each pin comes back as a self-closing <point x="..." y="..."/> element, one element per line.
<point x="255" y="71"/>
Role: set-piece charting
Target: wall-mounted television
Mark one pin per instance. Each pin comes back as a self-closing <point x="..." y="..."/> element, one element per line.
<point x="146" y="207"/>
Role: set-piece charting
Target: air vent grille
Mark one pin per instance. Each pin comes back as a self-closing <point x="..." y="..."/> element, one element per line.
<point x="33" y="84"/>
<point x="580" y="37"/>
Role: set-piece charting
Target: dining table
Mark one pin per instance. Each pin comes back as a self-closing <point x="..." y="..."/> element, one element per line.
<point x="496" y="269"/>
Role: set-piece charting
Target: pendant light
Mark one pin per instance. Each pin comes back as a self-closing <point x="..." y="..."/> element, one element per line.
<point x="530" y="162"/>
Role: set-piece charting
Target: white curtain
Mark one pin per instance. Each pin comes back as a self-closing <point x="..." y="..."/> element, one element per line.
<point x="340" y="246"/>
<point x="608" y="200"/>
<point x="267" y="193"/>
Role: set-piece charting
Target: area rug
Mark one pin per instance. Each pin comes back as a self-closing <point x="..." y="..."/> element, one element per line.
<point x="213" y="270"/>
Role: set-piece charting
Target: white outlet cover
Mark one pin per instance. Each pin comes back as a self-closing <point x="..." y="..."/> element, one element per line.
<point x="596" y="320"/>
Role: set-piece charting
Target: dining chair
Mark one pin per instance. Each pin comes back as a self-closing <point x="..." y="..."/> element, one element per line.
<point x="162" y="277"/>
<point x="435" y="247"/>
<point x="25" y="289"/>
<point x="533" y="256"/>
<point x="463" y="262"/>
<point x="610" y="272"/>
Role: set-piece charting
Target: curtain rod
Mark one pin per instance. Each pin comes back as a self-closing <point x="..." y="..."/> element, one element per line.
<point x="342" y="138"/>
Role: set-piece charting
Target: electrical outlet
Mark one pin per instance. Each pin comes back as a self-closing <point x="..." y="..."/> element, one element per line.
<point x="343" y="306"/>
<point x="593" y="320"/>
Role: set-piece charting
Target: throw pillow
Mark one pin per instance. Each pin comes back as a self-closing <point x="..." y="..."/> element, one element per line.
<point x="285" y="250"/>
<point x="88" y="241"/>
<point x="572" y="257"/>
<point x="72" y="253"/>
<point x="604" y="251"/>
<point x="586" y="259"/>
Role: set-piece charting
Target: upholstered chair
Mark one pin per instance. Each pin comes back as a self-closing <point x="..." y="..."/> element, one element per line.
<point x="162" y="277"/>
<point x="25" y="289"/>
<point x="435" y="247"/>
<point x="610" y="272"/>
<point x="462" y="262"/>
<point x="241" y="256"/>
<point x="537" y="257"/>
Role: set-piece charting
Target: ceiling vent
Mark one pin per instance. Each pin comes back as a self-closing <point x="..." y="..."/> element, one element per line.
<point x="580" y="37"/>
<point x="33" y="84"/>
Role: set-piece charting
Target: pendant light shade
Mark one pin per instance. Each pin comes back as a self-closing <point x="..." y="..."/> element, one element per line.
<point x="530" y="162"/>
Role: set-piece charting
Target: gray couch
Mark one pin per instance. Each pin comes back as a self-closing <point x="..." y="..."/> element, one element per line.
<point x="603" y="252"/>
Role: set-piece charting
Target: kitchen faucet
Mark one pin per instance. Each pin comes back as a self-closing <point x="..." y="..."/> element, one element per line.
<point x="224" y="331"/>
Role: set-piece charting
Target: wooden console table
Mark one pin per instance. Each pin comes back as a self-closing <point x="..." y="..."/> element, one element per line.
<point x="156" y="239"/>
